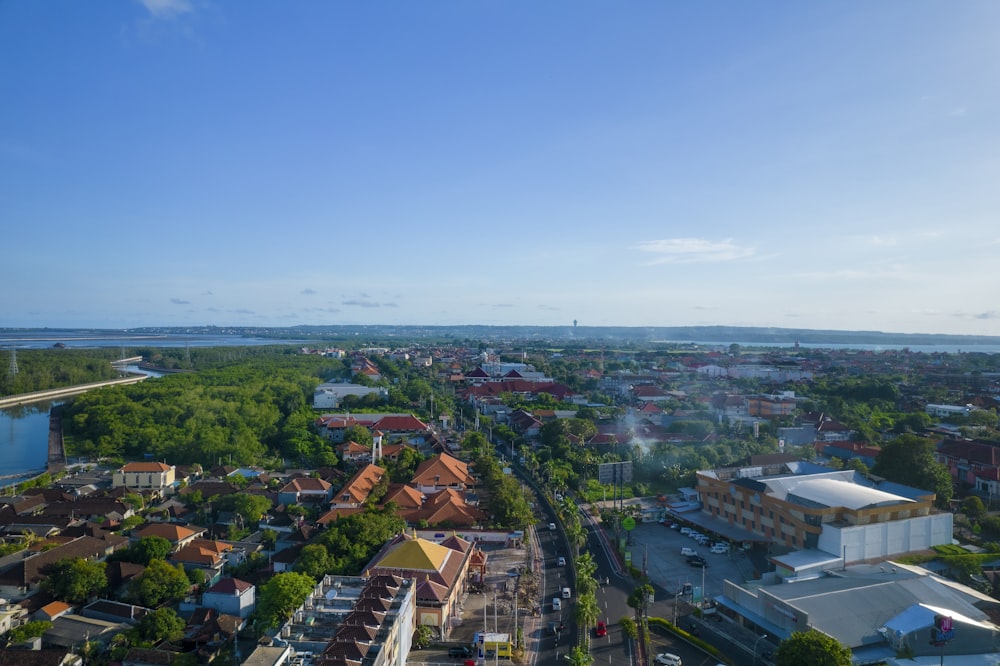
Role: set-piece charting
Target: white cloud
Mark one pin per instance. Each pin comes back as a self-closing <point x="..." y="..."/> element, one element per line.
<point x="694" y="250"/>
<point x="883" y="240"/>
<point x="167" y="9"/>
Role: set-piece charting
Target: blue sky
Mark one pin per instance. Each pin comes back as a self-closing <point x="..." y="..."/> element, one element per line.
<point x="788" y="164"/>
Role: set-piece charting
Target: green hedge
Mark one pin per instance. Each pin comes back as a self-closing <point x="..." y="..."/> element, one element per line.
<point x="666" y="627"/>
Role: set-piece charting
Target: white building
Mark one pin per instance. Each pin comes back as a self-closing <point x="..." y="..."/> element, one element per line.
<point x="329" y="395"/>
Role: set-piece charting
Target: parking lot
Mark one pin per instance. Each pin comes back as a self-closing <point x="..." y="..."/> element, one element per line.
<point x="657" y="549"/>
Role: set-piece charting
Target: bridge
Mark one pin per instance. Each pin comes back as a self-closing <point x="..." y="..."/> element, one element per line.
<point x="132" y="360"/>
<point x="51" y="394"/>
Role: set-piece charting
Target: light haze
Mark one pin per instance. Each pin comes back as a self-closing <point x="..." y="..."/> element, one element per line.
<point x="788" y="164"/>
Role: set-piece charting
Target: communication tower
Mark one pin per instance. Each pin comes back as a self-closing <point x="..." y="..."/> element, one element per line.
<point x="12" y="370"/>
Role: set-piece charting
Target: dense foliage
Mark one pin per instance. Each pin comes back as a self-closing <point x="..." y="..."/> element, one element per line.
<point x="159" y="583"/>
<point x="280" y="596"/>
<point x="910" y="460"/>
<point x="75" y="580"/>
<point x="41" y="369"/>
<point x="813" y="648"/>
<point x="351" y="541"/>
<point x="243" y="414"/>
<point x="507" y="502"/>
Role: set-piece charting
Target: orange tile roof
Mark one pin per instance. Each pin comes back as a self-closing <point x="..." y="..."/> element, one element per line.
<point x="172" y="533"/>
<point x="443" y="470"/>
<point x="361" y="484"/>
<point x="145" y="467"/>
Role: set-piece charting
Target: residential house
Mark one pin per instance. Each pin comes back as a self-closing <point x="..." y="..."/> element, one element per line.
<point x="52" y="610"/>
<point x="970" y="461"/>
<point x="231" y="596"/>
<point x="11" y="615"/>
<point x="305" y="490"/>
<point x="12" y="656"/>
<point x="114" y="611"/>
<point x="141" y="476"/>
<point x="72" y="631"/>
<point x="848" y="451"/>
<point x="353" y="452"/>
<point x="204" y="554"/>
<point x="770" y="407"/>
<point x="441" y="472"/>
<point x="445" y="507"/>
<point x="26" y="574"/>
<point x="355" y="492"/>
<point x="178" y="535"/>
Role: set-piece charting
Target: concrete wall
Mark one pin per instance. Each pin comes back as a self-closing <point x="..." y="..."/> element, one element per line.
<point x="882" y="540"/>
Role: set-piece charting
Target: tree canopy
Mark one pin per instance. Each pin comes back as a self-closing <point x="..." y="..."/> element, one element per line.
<point x="910" y="460"/>
<point x="239" y="413"/>
<point x="813" y="648"/>
<point x="160" y="583"/>
<point x="280" y="596"/>
<point x="76" y="580"/>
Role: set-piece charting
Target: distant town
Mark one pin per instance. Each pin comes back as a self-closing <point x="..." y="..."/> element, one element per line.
<point x="408" y="495"/>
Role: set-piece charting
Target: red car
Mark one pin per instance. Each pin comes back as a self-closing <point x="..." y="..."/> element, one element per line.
<point x="602" y="629"/>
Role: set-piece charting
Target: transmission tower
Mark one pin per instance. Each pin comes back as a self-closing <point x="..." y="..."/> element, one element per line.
<point x="12" y="370"/>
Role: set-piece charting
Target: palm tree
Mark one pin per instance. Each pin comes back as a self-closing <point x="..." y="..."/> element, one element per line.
<point x="587" y="612"/>
<point x="579" y="656"/>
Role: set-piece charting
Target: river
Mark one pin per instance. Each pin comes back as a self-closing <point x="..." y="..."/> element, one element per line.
<point x="24" y="437"/>
<point x="24" y="430"/>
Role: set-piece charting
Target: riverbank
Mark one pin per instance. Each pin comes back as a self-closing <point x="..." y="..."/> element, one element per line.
<point x="66" y="391"/>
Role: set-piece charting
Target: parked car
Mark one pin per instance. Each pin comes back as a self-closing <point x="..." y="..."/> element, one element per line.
<point x="688" y="552"/>
<point x="552" y="629"/>
<point x="460" y="651"/>
<point x="697" y="561"/>
<point x="720" y="549"/>
<point x="667" y="659"/>
<point x="602" y="629"/>
<point x="685" y="530"/>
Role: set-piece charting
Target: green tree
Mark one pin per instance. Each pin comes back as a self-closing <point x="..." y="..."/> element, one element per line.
<point x="314" y="561"/>
<point x="280" y="596"/>
<point x="250" y="508"/>
<point x="27" y="631"/>
<point x="159" y="583"/>
<point x="162" y="624"/>
<point x="359" y="434"/>
<point x="909" y="460"/>
<point x="579" y="656"/>
<point x="973" y="507"/>
<point x="74" y="581"/>
<point x="422" y="636"/>
<point x="813" y="648"/>
<point x="628" y="627"/>
<point x="149" y="548"/>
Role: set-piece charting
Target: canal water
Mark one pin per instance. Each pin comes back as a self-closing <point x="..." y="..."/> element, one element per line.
<point x="24" y="441"/>
<point x="24" y="437"/>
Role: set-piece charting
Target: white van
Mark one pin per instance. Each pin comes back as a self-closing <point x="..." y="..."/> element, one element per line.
<point x="685" y="530"/>
<point x="566" y="593"/>
<point x="688" y="552"/>
<point x="556" y="604"/>
<point x="720" y="548"/>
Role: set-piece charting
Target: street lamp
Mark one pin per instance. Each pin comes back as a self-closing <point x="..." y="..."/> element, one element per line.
<point x="755" y="647"/>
